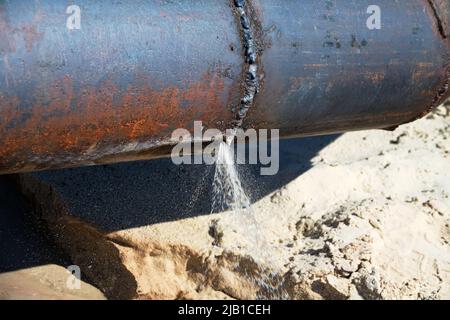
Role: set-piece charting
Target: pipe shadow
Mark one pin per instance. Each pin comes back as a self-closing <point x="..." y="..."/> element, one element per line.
<point x="128" y="195"/>
<point x="23" y="243"/>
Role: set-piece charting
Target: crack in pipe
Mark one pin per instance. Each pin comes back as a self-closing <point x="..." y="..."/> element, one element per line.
<point x="251" y="82"/>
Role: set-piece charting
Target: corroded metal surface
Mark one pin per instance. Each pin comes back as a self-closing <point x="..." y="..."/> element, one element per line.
<point x="136" y="70"/>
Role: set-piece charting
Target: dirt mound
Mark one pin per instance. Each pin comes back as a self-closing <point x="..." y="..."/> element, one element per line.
<point x="368" y="220"/>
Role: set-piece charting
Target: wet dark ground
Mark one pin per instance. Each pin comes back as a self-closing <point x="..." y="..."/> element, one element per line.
<point x="122" y="196"/>
<point x="22" y="243"/>
<point x="129" y="195"/>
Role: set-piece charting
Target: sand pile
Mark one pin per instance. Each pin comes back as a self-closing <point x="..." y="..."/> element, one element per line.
<point x="369" y="219"/>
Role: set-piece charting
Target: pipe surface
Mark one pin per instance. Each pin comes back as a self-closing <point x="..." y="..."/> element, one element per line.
<point x="326" y="72"/>
<point x="115" y="88"/>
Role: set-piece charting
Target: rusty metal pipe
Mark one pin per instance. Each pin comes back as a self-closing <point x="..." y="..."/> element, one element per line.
<point x="136" y="70"/>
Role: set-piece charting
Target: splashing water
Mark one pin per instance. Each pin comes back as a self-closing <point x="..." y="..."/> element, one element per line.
<point x="229" y="194"/>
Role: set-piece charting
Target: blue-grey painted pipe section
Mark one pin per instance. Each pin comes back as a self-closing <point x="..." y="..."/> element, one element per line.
<point x="328" y="72"/>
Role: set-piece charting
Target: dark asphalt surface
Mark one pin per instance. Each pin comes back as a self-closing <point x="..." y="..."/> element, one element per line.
<point x="122" y="196"/>
<point x="22" y="244"/>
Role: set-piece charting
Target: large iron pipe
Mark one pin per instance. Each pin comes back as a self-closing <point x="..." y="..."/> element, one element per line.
<point x="115" y="88"/>
<point x="326" y="72"/>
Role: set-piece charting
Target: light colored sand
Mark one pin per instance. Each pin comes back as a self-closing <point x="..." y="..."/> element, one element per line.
<point x="47" y="282"/>
<point x="369" y="220"/>
<point x="379" y="209"/>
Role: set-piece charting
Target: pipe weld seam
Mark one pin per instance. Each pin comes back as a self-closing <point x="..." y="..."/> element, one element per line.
<point x="251" y="84"/>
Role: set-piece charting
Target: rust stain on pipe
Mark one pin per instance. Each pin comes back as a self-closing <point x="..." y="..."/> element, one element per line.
<point x="60" y="132"/>
<point x="117" y="88"/>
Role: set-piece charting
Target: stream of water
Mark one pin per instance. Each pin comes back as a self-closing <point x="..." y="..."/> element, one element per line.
<point x="229" y="195"/>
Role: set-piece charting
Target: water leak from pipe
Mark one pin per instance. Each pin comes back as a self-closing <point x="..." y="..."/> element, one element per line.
<point x="228" y="192"/>
<point x="229" y="195"/>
